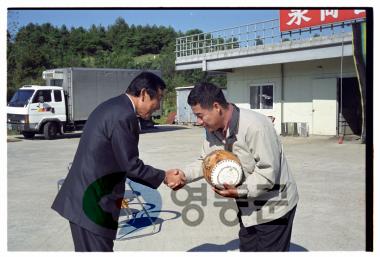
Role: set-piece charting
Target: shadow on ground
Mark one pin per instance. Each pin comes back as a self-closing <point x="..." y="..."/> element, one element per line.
<point x="16" y="138"/>
<point x="144" y="225"/>
<point x="78" y="134"/>
<point x="162" y="128"/>
<point x="234" y="246"/>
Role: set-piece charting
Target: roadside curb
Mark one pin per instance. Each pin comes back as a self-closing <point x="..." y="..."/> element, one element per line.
<point x="13" y="139"/>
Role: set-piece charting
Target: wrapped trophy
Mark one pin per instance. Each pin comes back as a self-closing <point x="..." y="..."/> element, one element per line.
<point x="222" y="167"/>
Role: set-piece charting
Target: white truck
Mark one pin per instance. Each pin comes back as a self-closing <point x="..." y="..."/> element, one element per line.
<point x="68" y="98"/>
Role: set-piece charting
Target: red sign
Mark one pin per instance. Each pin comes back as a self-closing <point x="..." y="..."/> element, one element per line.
<point x="296" y="19"/>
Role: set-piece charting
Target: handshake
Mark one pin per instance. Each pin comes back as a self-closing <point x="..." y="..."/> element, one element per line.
<point x="175" y="179"/>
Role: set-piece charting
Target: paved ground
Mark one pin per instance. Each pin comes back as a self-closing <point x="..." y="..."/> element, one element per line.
<point x="330" y="214"/>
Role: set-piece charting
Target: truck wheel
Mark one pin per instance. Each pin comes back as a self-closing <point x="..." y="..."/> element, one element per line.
<point x="28" y="134"/>
<point x="50" y="130"/>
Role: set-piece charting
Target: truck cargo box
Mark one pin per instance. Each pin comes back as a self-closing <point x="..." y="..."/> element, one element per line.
<point x="86" y="88"/>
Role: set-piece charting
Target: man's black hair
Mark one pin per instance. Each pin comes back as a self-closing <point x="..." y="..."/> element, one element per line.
<point x="150" y="81"/>
<point x="205" y="94"/>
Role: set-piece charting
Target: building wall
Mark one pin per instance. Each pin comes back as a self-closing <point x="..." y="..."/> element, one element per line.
<point x="303" y="82"/>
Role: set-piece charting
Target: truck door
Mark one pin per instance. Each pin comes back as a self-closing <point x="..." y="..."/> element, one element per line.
<point x="59" y="105"/>
<point x="41" y="106"/>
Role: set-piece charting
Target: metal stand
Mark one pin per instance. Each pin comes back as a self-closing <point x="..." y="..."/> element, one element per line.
<point x="142" y="206"/>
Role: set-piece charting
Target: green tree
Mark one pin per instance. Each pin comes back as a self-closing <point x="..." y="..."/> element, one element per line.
<point x="35" y="48"/>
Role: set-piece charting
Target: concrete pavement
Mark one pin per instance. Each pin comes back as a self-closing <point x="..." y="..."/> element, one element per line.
<point x="330" y="179"/>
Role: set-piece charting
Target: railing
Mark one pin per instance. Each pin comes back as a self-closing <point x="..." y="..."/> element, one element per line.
<point x="252" y="35"/>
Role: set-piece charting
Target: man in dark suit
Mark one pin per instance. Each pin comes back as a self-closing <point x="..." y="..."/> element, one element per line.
<point x="108" y="154"/>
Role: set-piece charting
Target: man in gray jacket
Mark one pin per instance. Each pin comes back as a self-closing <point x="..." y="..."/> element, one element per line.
<point x="268" y="196"/>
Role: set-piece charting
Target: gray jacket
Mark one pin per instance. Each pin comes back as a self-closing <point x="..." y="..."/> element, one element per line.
<point x="268" y="190"/>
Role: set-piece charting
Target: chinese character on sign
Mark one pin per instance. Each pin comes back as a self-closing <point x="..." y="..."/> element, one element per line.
<point x="291" y="19"/>
<point x="359" y="11"/>
<point x="297" y="16"/>
<point x="325" y="13"/>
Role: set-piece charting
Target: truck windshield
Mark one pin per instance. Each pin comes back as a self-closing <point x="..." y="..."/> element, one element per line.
<point x="20" y="98"/>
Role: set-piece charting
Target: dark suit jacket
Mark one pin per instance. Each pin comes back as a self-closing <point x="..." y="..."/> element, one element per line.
<point x="107" y="154"/>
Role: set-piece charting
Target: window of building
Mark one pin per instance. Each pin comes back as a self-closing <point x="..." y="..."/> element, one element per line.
<point x="57" y="96"/>
<point x="261" y="97"/>
<point x="42" y="96"/>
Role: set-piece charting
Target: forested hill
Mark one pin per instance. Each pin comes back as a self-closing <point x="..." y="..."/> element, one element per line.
<point x="35" y="48"/>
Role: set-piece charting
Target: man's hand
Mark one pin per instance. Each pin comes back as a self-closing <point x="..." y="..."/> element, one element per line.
<point x="175" y="179"/>
<point x="228" y="191"/>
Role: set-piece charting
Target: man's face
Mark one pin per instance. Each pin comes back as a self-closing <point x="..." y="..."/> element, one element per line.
<point x="210" y="119"/>
<point x="149" y="104"/>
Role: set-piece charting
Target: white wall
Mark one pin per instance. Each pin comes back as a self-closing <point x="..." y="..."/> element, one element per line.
<point x="298" y="81"/>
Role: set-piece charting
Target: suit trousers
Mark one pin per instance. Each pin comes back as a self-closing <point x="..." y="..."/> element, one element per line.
<point x="86" y="241"/>
<point x="273" y="236"/>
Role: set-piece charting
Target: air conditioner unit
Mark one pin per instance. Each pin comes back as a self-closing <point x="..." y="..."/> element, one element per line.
<point x="295" y="129"/>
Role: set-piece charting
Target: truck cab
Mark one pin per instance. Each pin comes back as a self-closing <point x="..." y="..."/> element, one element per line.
<point x="37" y="109"/>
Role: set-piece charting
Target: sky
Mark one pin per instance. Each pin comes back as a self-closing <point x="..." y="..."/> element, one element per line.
<point x="180" y="19"/>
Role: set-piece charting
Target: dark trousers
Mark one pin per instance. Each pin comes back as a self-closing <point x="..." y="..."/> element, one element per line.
<point x="86" y="241"/>
<point x="273" y="236"/>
